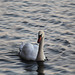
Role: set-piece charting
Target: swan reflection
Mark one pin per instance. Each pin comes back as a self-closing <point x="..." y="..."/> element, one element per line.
<point x="34" y="66"/>
<point x="40" y="68"/>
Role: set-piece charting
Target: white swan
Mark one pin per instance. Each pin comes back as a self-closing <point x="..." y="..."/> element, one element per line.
<point x="29" y="51"/>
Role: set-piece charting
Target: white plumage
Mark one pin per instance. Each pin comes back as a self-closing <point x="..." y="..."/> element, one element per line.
<point x="33" y="52"/>
<point x="28" y="51"/>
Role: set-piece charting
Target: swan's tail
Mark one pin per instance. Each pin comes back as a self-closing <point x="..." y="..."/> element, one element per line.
<point x="21" y="46"/>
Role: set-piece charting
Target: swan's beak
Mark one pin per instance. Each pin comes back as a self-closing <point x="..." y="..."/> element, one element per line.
<point x="39" y="39"/>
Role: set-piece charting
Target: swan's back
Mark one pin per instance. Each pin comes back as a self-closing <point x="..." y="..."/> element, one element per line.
<point x="29" y="51"/>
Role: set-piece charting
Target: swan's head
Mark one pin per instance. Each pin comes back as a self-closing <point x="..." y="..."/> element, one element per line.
<point x="40" y="36"/>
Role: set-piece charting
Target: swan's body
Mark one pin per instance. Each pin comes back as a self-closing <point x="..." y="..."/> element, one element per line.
<point x="33" y="52"/>
<point x="29" y="51"/>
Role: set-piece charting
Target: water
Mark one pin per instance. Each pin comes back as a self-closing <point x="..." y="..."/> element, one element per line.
<point x="20" y="20"/>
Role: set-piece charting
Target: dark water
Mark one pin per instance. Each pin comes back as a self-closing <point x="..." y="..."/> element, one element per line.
<point x="20" y="21"/>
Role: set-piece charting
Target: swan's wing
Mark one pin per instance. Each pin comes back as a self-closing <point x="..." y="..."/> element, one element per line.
<point x="35" y="47"/>
<point x="29" y="51"/>
<point x="35" y="50"/>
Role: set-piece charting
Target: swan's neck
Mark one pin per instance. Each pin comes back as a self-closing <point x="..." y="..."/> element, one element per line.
<point x="40" y="56"/>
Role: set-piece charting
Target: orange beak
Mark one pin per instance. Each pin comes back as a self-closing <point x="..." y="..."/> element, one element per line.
<point x="39" y="39"/>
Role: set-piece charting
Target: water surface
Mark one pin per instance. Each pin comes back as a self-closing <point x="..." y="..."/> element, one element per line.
<point x="20" y="21"/>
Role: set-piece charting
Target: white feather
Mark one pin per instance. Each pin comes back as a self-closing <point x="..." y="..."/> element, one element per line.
<point x="28" y="51"/>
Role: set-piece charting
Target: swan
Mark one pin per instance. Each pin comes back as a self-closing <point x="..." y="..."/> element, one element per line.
<point x="29" y="51"/>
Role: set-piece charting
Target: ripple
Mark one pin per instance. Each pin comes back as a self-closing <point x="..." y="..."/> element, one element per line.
<point x="54" y="16"/>
<point x="67" y="33"/>
<point x="25" y="1"/>
<point x="2" y="48"/>
<point x="1" y="30"/>
<point x="65" y="42"/>
<point x="4" y="36"/>
<point x="19" y="28"/>
<point x="43" y="19"/>
<point x="25" y="10"/>
<point x="72" y="3"/>
<point x="7" y="0"/>
<point x="45" y="11"/>
<point x="36" y="11"/>
<point x="12" y="15"/>
<point x="54" y="21"/>
<point x="6" y="60"/>
<point x="26" y="31"/>
<point x="64" y="71"/>
<point x="20" y="20"/>
<point x="70" y="14"/>
<point x="65" y="54"/>
<point x="55" y="51"/>
<point x="16" y="38"/>
<point x="25" y="22"/>
<point x="39" y="26"/>
<point x="45" y="5"/>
